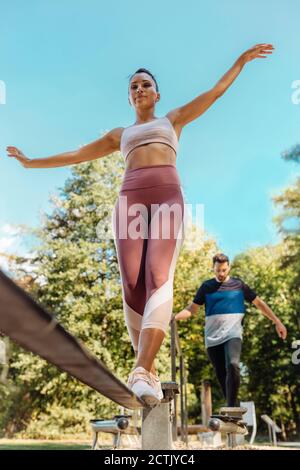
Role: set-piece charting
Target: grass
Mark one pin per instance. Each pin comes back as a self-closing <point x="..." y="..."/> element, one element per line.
<point x="41" y="445"/>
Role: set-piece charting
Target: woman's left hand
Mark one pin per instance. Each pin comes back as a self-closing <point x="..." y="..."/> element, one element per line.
<point x="257" y="52"/>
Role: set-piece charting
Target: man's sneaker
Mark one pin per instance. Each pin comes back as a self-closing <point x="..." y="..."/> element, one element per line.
<point x="157" y="385"/>
<point x="140" y="381"/>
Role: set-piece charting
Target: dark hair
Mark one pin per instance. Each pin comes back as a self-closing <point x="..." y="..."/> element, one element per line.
<point x="149" y="73"/>
<point x="220" y="258"/>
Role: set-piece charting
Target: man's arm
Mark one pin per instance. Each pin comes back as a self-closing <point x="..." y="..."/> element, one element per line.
<point x="187" y="312"/>
<point x="267" y="312"/>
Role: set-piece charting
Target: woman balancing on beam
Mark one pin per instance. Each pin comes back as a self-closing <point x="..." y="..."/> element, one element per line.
<point x="147" y="263"/>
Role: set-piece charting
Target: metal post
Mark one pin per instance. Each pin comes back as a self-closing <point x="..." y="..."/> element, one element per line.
<point x="181" y="399"/>
<point x="206" y="403"/>
<point x="173" y="378"/>
<point x="185" y="405"/>
<point x="176" y="350"/>
<point x="173" y="351"/>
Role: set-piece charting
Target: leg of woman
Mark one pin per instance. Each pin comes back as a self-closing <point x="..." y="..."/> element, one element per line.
<point x="149" y="344"/>
<point x="131" y="258"/>
<point x="131" y="255"/>
<point x="165" y="239"/>
<point x="233" y="349"/>
<point x="153" y="368"/>
<point x="144" y="187"/>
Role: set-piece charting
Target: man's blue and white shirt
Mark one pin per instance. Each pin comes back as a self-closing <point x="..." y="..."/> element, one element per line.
<point x="224" y="308"/>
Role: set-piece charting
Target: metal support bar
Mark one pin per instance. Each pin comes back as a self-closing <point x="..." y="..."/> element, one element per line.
<point x="229" y="422"/>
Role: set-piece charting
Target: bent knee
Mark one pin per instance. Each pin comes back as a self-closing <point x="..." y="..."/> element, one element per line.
<point x="156" y="279"/>
<point x="129" y="286"/>
<point x="234" y="366"/>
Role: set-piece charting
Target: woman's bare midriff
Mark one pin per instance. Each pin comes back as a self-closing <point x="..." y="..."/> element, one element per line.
<point x="150" y="154"/>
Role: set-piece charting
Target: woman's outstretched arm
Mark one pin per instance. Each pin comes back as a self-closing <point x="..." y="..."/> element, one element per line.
<point x="192" y="110"/>
<point x="107" y="144"/>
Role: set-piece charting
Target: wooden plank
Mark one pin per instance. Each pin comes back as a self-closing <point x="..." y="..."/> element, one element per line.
<point x="35" y="329"/>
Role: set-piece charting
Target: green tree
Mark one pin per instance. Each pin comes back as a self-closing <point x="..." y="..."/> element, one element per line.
<point x="75" y="276"/>
<point x="288" y="223"/>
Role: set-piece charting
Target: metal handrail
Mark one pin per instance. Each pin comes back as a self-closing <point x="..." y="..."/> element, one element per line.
<point x="176" y="351"/>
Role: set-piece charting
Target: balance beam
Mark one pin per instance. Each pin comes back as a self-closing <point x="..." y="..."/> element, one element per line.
<point x="35" y="329"/>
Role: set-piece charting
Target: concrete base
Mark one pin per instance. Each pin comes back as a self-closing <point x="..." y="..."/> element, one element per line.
<point x="156" y="428"/>
<point x="240" y="439"/>
<point x="210" y="438"/>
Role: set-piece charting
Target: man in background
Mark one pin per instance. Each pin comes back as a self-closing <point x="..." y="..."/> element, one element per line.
<point x="224" y="299"/>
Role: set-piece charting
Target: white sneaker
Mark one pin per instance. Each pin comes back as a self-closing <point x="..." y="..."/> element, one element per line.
<point x="157" y="385"/>
<point x="141" y="382"/>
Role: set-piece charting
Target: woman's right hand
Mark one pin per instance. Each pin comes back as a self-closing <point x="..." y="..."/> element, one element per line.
<point x="260" y="51"/>
<point x="19" y="155"/>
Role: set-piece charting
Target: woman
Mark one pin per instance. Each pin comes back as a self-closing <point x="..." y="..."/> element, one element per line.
<point x="147" y="262"/>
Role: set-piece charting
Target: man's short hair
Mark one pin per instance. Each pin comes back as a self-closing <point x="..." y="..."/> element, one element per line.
<point x="220" y="258"/>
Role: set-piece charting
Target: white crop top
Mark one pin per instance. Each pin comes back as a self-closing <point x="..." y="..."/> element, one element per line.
<point x="158" y="130"/>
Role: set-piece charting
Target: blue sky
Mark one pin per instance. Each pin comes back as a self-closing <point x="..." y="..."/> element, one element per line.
<point x="65" y="66"/>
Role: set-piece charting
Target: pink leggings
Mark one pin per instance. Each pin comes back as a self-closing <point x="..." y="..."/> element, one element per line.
<point x="148" y="233"/>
